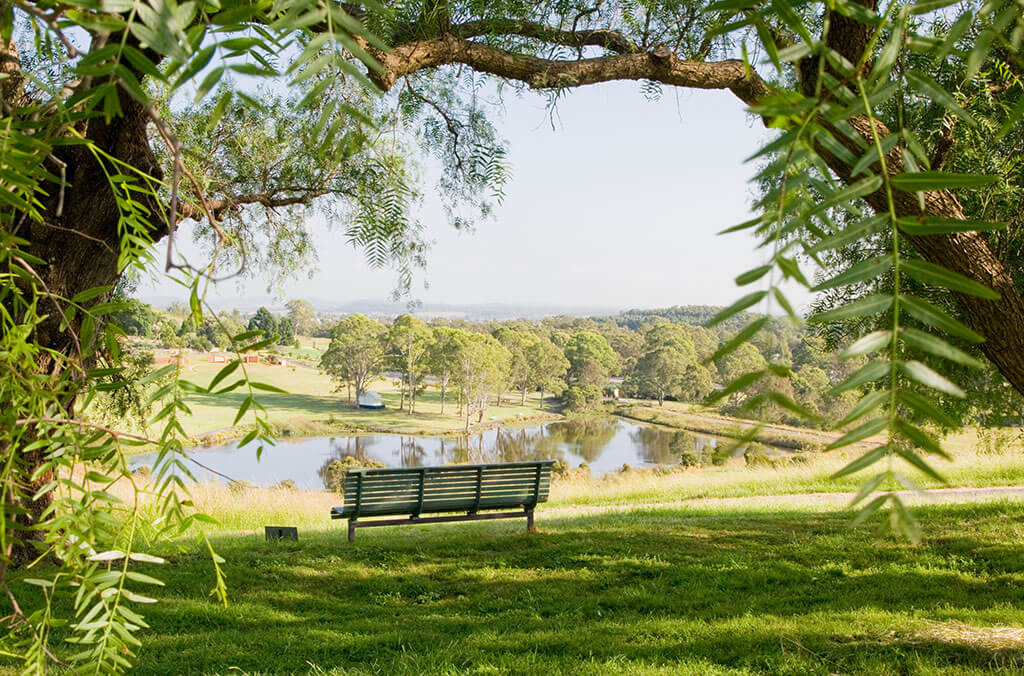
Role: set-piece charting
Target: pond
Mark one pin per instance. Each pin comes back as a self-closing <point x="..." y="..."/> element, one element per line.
<point x="604" y="444"/>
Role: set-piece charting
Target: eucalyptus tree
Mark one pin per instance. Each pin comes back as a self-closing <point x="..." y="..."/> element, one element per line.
<point x="591" y="358"/>
<point x="548" y="367"/>
<point x="662" y="366"/>
<point x="482" y="369"/>
<point x="443" y="357"/>
<point x="408" y="340"/>
<point x="517" y="342"/>
<point x="303" y="316"/>
<point x="356" y="353"/>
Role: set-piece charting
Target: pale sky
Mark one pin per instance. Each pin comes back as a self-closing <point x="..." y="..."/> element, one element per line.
<point x="617" y="206"/>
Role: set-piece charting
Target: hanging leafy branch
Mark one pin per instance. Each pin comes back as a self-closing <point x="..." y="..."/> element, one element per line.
<point x="835" y="132"/>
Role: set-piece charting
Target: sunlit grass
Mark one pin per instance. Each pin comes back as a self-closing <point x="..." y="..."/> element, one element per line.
<point x="661" y="591"/>
<point x="311" y="397"/>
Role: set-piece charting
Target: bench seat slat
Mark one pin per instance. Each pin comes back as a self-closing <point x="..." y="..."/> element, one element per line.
<point x="439" y="493"/>
<point x="413" y="482"/>
<point x="438" y="490"/>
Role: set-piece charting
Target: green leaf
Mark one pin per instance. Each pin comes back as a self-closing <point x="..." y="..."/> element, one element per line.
<point x="859" y="433"/>
<point x="869" y="509"/>
<point x="924" y="181"/>
<point x="871" y="156"/>
<point x="861" y="272"/>
<point x="753" y="275"/>
<point x="933" y="91"/>
<point x="743" y="336"/>
<point x="868" y="403"/>
<point x="921" y="373"/>
<point x="736" y="385"/>
<point x="195" y="65"/>
<point x="246" y="403"/>
<point x="868" y="373"/>
<point x="866" y="460"/>
<point x="737" y="307"/>
<point x="857" y="231"/>
<point x="922" y="440"/>
<point x="866" y="344"/>
<point x="929" y="273"/>
<point x="933" y="316"/>
<point x="867" y="306"/>
<point x="227" y="370"/>
<point x="869" y="487"/>
<point x="904" y="521"/>
<point x="862" y="187"/>
<point x="89" y="294"/>
<point x="267" y="387"/>
<point x="931" y="225"/>
<point x="938" y="347"/>
<point x="925" y="407"/>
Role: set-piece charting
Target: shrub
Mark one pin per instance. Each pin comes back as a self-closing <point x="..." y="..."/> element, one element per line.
<point x="333" y="471"/>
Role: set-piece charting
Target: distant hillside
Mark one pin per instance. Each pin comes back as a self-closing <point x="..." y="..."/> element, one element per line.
<point x="697" y="315"/>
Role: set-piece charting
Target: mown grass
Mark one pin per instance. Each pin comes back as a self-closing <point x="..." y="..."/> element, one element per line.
<point x="311" y="397"/>
<point x="659" y="591"/>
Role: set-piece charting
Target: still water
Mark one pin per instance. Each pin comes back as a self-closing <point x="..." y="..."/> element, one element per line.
<point x="605" y="445"/>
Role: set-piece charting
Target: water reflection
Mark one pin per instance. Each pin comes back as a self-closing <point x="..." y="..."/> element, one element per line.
<point x="604" y="444"/>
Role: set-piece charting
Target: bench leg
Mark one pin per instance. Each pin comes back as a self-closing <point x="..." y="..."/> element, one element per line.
<point x="529" y="522"/>
<point x="351" y="530"/>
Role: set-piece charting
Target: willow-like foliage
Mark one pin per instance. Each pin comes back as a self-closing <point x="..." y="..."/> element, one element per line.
<point x="850" y="137"/>
<point x="74" y="567"/>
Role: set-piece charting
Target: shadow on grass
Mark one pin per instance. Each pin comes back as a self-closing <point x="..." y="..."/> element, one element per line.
<point x="660" y="591"/>
<point x="313" y="405"/>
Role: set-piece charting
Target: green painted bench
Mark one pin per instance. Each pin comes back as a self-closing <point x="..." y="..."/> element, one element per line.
<point x="415" y="491"/>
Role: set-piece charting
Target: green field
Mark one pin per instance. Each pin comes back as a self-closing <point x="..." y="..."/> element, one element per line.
<point x="658" y="591"/>
<point x="311" y="397"/>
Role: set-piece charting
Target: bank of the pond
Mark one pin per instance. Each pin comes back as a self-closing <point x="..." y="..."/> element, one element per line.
<point x="781" y="436"/>
<point x="302" y="427"/>
<point x="595" y="445"/>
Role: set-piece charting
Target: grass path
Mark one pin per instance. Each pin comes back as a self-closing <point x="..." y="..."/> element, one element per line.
<point x="840" y="500"/>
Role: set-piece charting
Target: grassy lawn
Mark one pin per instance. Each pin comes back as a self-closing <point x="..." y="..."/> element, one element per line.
<point x="660" y="591"/>
<point x="311" y="397"/>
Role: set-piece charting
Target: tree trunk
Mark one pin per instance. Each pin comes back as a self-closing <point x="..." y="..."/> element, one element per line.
<point x="80" y="242"/>
<point x="443" y="386"/>
<point x="523" y="401"/>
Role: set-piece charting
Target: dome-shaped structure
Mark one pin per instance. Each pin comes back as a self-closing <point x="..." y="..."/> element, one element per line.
<point x="370" y="399"/>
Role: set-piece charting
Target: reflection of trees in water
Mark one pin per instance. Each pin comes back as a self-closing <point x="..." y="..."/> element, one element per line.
<point x="659" y="447"/>
<point x="584" y="437"/>
<point x="411" y="452"/>
<point x="662" y="447"/>
<point x="520" y="445"/>
<point x="523" y="445"/>
<point x="355" y="447"/>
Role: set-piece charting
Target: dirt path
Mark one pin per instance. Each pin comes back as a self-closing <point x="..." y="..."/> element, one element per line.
<point x="840" y="500"/>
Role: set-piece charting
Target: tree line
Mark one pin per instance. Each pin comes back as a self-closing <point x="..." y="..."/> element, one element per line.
<point x="580" y="360"/>
<point x="658" y="354"/>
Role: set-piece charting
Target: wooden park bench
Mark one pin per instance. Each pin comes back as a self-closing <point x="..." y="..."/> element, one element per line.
<point x="415" y="491"/>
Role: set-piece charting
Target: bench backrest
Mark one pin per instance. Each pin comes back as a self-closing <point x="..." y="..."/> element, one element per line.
<point x="451" y="488"/>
